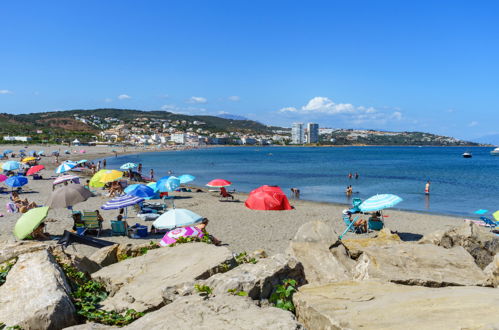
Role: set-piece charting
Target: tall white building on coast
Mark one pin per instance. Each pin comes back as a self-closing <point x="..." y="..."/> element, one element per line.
<point x="297" y="134"/>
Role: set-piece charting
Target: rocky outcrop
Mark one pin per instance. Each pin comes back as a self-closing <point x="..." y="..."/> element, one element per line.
<point x="479" y="242"/>
<point x="259" y="279"/>
<point x="492" y="271"/>
<point x="13" y="250"/>
<point x="36" y="294"/>
<point x="105" y="256"/>
<point x="322" y="255"/>
<point x="91" y="326"/>
<point x="419" y="264"/>
<point x="384" y="305"/>
<point x="356" y="246"/>
<point x="82" y="263"/>
<point x="218" y="312"/>
<point x="138" y="282"/>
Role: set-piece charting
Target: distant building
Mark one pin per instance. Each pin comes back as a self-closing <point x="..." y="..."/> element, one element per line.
<point x="17" y="138"/>
<point x="312" y="133"/>
<point x="297" y="135"/>
<point x="178" y="138"/>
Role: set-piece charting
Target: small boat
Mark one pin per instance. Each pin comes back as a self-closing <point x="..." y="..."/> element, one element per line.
<point x="495" y="152"/>
<point x="467" y="155"/>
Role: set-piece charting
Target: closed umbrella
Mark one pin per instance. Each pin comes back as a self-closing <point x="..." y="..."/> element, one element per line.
<point x="29" y="221"/>
<point x="68" y="196"/>
<point x="176" y="218"/>
<point x="186" y="178"/>
<point x="217" y="183"/>
<point x="110" y="175"/>
<point x="128" y="166"/>
<point x="140" y="190"/>
<point x="64" y="167"/>
<point x="35" y="169"/>
<point x="16" y="181"/>
<point x="379" y="202"/>
<point x="11" y="165"/>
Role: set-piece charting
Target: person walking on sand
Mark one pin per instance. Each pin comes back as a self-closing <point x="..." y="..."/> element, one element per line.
<point x="427" y="188"/>
<point x="151" y="174"/>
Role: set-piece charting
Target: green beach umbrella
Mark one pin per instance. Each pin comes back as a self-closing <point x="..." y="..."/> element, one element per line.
<point x="29" y="221"/>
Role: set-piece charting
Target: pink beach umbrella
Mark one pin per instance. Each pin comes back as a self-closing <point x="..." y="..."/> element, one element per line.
<point x="3" y="177"/>
<point x="67" y="177"/>
<point x="82" y="151"/>
<point x="172" y="236"/>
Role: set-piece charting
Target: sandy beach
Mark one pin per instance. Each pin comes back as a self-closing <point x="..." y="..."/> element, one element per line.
<point x="240" y="228"/>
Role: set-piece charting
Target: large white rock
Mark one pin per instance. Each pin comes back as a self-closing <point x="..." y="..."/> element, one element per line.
<point x="218" y="312"/>
<point x="419" y="264"/>
<point x="259" y="279"/>
<point x="322" y="255"/>
<point x="138" y="283"/>
<point x="36" y="294"/>
<point x="492" y="271"/>
<point x="13" y="250"/>
<point x="384" y="305"/>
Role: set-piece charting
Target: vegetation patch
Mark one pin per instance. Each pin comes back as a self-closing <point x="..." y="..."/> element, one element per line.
<point x="5" y="269"/>
<point x="205" y="239"/>
<point x="235" y="292"/>
<point x="141" y="252"/>
<point x="283" y="295"/>
<point x="87" y="296"/>
<point x="203" y="290"/>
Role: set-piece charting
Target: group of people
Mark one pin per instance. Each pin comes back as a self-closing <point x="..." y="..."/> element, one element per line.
<point x="351" y="176"/>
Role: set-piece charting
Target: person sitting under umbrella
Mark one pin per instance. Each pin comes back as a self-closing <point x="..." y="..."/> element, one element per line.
<point x="202" y="226"/>
<point x="224" y="193"/>
<point x="39" y="234"/>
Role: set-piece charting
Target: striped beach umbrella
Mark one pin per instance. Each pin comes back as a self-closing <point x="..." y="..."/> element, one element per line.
<point x="67" y="177"/>
<point x="11" y="165"/>
<point x="173" y="235"/>
<point x="128" y="166"/>
<point x="379" y="202"/>
<point x="64" y="167"/>
<point x="176" y="218"/>
<point x="121" y="202"/>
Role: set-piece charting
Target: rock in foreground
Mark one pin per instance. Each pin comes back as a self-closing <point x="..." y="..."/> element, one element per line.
<point x="36" y="294"/>
<point x="383" y="305"/>
<point x="218" y="312"/>
<point x="137" y="283"/>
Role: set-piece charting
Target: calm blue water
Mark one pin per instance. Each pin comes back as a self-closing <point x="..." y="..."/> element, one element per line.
<point x="459" y="185"/>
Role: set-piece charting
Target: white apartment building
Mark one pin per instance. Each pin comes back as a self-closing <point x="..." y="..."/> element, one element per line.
<point x="297" y="134"/>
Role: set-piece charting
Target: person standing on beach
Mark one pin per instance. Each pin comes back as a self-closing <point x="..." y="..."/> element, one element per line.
<point x="139" y="169"/>
<point x="427" y="188"/>
<point x="151" y="174"/>
<point x="104" y="163"/>
<point x="98" y="166"/>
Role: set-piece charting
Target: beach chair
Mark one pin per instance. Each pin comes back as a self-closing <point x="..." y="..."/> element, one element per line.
<point x="225" y="195"/>
<point x="119" y="228"/>
<point x="350" y="224"/>
<point x="489" y="222"/>
<point x="91" y="222"/>
<point x="375" y="224"/>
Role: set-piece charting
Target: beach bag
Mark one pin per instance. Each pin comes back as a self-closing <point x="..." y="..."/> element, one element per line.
<point x="11" y="207"/>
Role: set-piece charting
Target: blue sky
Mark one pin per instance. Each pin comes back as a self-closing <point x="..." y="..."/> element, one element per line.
<point x="394" y="65"/>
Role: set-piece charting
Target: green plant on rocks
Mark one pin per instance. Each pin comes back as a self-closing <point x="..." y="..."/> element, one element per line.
<point x="140" y="252"/>
<point x="4" y="271"/>
<point x="13" y="327"/>
<point x="181" y="240"/>
<point x="235" y="292"/>
<point x="244" y="258"/>
<point x="283" y="295"/>
<point x="203" y="290"/>
<point x="88" y="294"/>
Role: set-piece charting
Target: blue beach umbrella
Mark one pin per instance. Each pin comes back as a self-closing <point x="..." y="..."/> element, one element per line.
<point x="32" y="152"/>
<point x="186" y="178"/>
<point x="41" y="152"/>
<point x="169" y="184"/>
<point x="64" y="167"/>
<point x="140" y="190"/>
<point x="11" y="165"/>
<point x="128" y="166"/>
<point x="176" y="218"/>
<point x="8" y="151"/>
<point x="152" y="185"/>
<point x="379" y="202"/>
<point x="16" y="181"/>
<point x="81" y="161"/>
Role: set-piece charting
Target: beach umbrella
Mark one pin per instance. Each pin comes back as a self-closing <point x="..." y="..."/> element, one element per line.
<point x="128" y="166"/>
<point x="41" y="152"/>
<point x="176" y="218"/>
<point x="495" y="214"/>
<point x="140" y="190"/>
<point x="16" y="181"/>
<point x="270" y="198"/>
<point x="217" y="183"/>
<point x="110" y="175"/>
<point x="186" y="178"/>
<point x="68" y="196"/>
<point x="32" y="152"/>
<point x="379" y="202"/>
<point x="83" y="161"/>
<point x="95" y="180"/>
<point x="173" y="235"/>
<point x="29" y="221"/>
<point x="28" y="159"/>
<point x="152" y="185"/>
<point x="11" y="165"/>
<point x="3" y="177"/>
<point x="122" y="202"/>
<point x="67" y="177"/>
<point x="7" y="151"/>
<point x="82" y="151"/>
<point x="167" y="184"/>
<point x="64" y="167"/>
<point x="35" y="169"/>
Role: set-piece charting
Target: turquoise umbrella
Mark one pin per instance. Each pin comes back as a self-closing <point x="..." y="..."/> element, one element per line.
<point x="11" y="165"/>
<point x="379" y="202"/>
<point x="176" y="218"/>
<point x="169" y="184"/>
<point x="186" y="178"/>
<point x="128" y="166"/>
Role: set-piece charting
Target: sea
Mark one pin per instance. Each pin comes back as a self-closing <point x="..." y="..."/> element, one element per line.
<point x="459" y="186"/>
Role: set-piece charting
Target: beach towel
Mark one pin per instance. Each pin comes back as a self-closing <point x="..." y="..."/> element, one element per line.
<point x="11" y="207"/>
<point x="174" y="234"/>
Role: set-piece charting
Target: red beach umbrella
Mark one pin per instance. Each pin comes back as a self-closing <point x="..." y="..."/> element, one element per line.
<point x="219" y="183"/>
<point x="268" y="198"/>
<point x="35" y="169"/>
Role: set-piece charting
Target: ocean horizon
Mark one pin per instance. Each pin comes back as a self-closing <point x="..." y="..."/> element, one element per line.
<point x="459" y="186"/>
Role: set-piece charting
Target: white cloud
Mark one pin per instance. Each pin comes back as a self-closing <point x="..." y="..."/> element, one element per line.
<point x="108" y="100"/>
<point x="234" y="98"/>
<point x="397" y="115"/>
<point x="124" y="97"/>
<point x="5" y="91"/>
<point x="288" y="109"/>
<point x="197" y="100"/>
<point x="473" y="124"/>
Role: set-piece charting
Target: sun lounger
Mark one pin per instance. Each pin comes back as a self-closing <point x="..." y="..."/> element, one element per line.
<point x="91" y="222"/>
<point x="68" y="238"/>
<point x="489" y="223"/>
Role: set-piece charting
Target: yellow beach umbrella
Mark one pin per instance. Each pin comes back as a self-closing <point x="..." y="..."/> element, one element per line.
<point x="110" y="175"/>
<point x="28" y="159"/>
<point x="95" y="180"/>
<point x="496" y="215"/>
